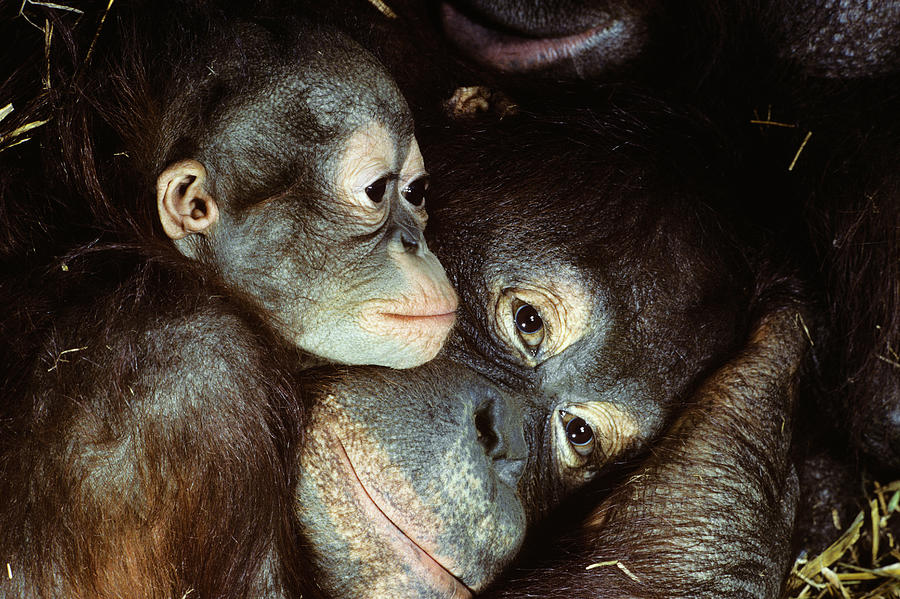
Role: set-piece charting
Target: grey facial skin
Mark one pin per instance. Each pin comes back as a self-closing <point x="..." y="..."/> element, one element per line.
<point x="422" y="483"/>
<point x="408" y="485"/>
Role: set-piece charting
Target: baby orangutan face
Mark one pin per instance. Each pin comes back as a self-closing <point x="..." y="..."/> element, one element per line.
<point x="315" y="209"/>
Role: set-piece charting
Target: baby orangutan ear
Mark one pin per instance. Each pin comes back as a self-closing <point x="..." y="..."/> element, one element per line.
<point x="184" y="206"/>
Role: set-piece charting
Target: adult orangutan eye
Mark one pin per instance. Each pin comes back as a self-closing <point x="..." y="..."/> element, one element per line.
<point x="529" y="325"/>
<point x="375" y="191"/>
<point x="415" y="191"/>
<point x="534" y="323"/>
<point x="579" y="433"/>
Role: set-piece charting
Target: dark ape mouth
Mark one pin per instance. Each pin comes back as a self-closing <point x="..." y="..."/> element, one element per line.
<point x="417" y="558"/>
<point x="514" y="52"/>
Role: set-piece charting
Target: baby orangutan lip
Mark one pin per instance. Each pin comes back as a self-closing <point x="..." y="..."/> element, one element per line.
<point x="406" y="549"/>
<point x="419" y="322"/>
<point x="445" y="319"/>
<point x="511" y="52"/>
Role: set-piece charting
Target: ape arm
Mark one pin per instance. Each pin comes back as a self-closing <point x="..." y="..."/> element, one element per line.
<point x="710" y="512"/>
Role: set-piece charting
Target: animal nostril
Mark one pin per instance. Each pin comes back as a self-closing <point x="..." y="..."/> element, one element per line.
<point x="406" y="238"/>
<point x="499" y="427"/>
<point x="484" y="427"/>
<point x="410" y="244"/>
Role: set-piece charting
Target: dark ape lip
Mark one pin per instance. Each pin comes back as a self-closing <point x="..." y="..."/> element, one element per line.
<point x="512" y="52"/>
<point x="460" y="590"/>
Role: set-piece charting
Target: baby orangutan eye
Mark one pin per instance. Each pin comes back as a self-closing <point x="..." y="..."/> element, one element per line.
<point x="375" y="191"/>
<point x="415" y="192"/>
<point x="579" y="433"/>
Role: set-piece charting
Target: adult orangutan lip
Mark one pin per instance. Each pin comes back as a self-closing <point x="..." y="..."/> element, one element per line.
<point x="414" y="552"/>
<point x="511" y="52"/>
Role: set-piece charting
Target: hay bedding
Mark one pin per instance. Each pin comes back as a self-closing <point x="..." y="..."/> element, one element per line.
<point x="864" y="561"/>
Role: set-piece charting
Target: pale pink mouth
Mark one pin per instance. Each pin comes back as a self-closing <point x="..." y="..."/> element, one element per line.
<point x="428" y="568"/>
<point x="510" y="52"/>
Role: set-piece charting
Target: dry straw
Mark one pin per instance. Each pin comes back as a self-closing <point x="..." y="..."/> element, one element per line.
<point x="863" y="563"/>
